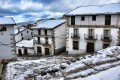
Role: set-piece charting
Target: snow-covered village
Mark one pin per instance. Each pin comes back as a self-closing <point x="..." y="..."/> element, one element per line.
<point x="59" y="40"/>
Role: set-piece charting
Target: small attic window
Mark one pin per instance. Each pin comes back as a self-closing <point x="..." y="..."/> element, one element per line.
<point x="3" y="28"/>
<point x="82" y="18"/>
<point x="94" y="18"/>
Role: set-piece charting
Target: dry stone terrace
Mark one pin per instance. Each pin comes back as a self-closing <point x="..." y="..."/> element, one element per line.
<point x="64" y="67"/>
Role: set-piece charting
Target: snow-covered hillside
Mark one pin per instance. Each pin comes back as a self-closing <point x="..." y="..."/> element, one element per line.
<point x="60" y="67"/>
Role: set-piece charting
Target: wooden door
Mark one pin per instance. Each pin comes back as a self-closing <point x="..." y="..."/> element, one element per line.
<point x="25" y="52"/>
<point x="90" y="47"/>
<point x="47" y="51"/>
<point x="19" y="52"/>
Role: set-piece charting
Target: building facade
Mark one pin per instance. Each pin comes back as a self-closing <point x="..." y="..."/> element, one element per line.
<point x="91" y="28"/>
<point x="7" y="39"/>
<point x="49" y="37"/>
<point x="25" y="48"/>
<point x="22" y="33"/>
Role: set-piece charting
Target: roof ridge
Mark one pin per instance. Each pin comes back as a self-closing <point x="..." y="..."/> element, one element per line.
<point x="89" y="5"/>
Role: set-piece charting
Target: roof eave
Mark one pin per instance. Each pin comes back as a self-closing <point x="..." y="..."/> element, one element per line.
<point x="92" y="14"/>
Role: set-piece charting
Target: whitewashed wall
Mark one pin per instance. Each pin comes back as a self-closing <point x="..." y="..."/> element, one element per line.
<point x="83" y="43"/>
<point x="60" y="36"/>
<point x="42" y="39"/>
<point x="100" y="20"/>
<point x="114" y="33"/>
<point x="7" y="52"/>
<point x="25" y="35"/>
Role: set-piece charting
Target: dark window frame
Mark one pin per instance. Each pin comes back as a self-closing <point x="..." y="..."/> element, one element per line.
<point x="75" y="45"/>
<point x="4" y="28"/>
<point x="107" y="33"/>
<point x="27" y="31"/>
<point x="94" y="18"/>
<point x="45" y="31"/>
<point x="105" y="45"/>
<point x="82" y="18"/>
<point x="21" y="34"/>
<point x="72" y="20"/>
<point x="39" y="50"/>
<point x="76" y="32"/>
<point x="39" y="31"/>
<point x="91" y="32"/>
<point x="46" y="40"/>
<point x="22" y="38"/>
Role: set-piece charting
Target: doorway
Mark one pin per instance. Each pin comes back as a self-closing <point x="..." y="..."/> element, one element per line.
<point x="19" y="52"/>
<point x="25" y="52"/>
<point x="47" y="51"/>
<point x="90" y="47"/>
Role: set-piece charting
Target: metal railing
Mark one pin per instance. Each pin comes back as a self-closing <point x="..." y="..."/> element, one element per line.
<point x="90" y="37"/>
<point x="107" y="38"/>
<point x="42" y="43"/>
<point x="75" y="36"/>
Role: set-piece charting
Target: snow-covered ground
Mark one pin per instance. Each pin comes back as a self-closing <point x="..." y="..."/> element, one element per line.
<point x="57" y="67"/>
<point x="110" y="74"/>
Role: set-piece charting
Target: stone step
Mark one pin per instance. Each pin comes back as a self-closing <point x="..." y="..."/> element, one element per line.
<point x="84" y="67"/>
<point x="82" y="74"/>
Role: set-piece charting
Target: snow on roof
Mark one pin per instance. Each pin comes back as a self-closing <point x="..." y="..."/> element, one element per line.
<point x="49" y="24"/>
<point x="96" y="9"/>
<point x="7" y="20"/>
<point x="25" y="43"/>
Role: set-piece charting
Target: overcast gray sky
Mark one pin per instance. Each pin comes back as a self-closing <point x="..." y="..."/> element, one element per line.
<point x="31" y="10"/>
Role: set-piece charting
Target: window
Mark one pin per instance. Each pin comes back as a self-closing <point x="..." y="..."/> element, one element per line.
<point x="3" y="28"/>
<point x="94" y="18"/>
<point x="45" y="32"/>
<point x="22" y="38"/>
<point x="39" y="49"/>
<point x="31" y="34"/>
<point x="21" y="34"/>
<point x="27" y="31"/>
<point x="76" y="32"/>
<point x="82" y="18"/>
<point x="105" y="46"/>
<point x="90" y="33"/>
<point x="107" y="19"/>
<point x="75" y="45"/>
<point x="106" y="33"/>
<point x="39" y="31"/>
<point x="38" y="39"/>
<point x="19" y="52"/>
<point x="46" y="40"/>
<point x="72" y="20"/>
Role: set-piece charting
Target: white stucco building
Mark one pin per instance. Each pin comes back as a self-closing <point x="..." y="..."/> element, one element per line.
<point x="25" y="48"/>
<point x="22" y="33"/>
<point x="91" y="28"/>
<point x="7" y="39"/>
<point x="49" y="37"/>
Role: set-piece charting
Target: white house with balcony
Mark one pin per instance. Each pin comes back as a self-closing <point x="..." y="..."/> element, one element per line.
<point x="49" y="37"/>
<point x="91" y="28"/>
<point x="7" y="39"/>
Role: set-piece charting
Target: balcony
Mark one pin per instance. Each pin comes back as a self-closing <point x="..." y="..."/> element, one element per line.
<point x="90" y="37"/>
<point x="38" y="42"/>
<point x="37" y="35"/>
<point x="42" y="43"/>
<point x="46" y="44"/>
<point x="107" y="38"/>
<point x="75" y="36"/>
